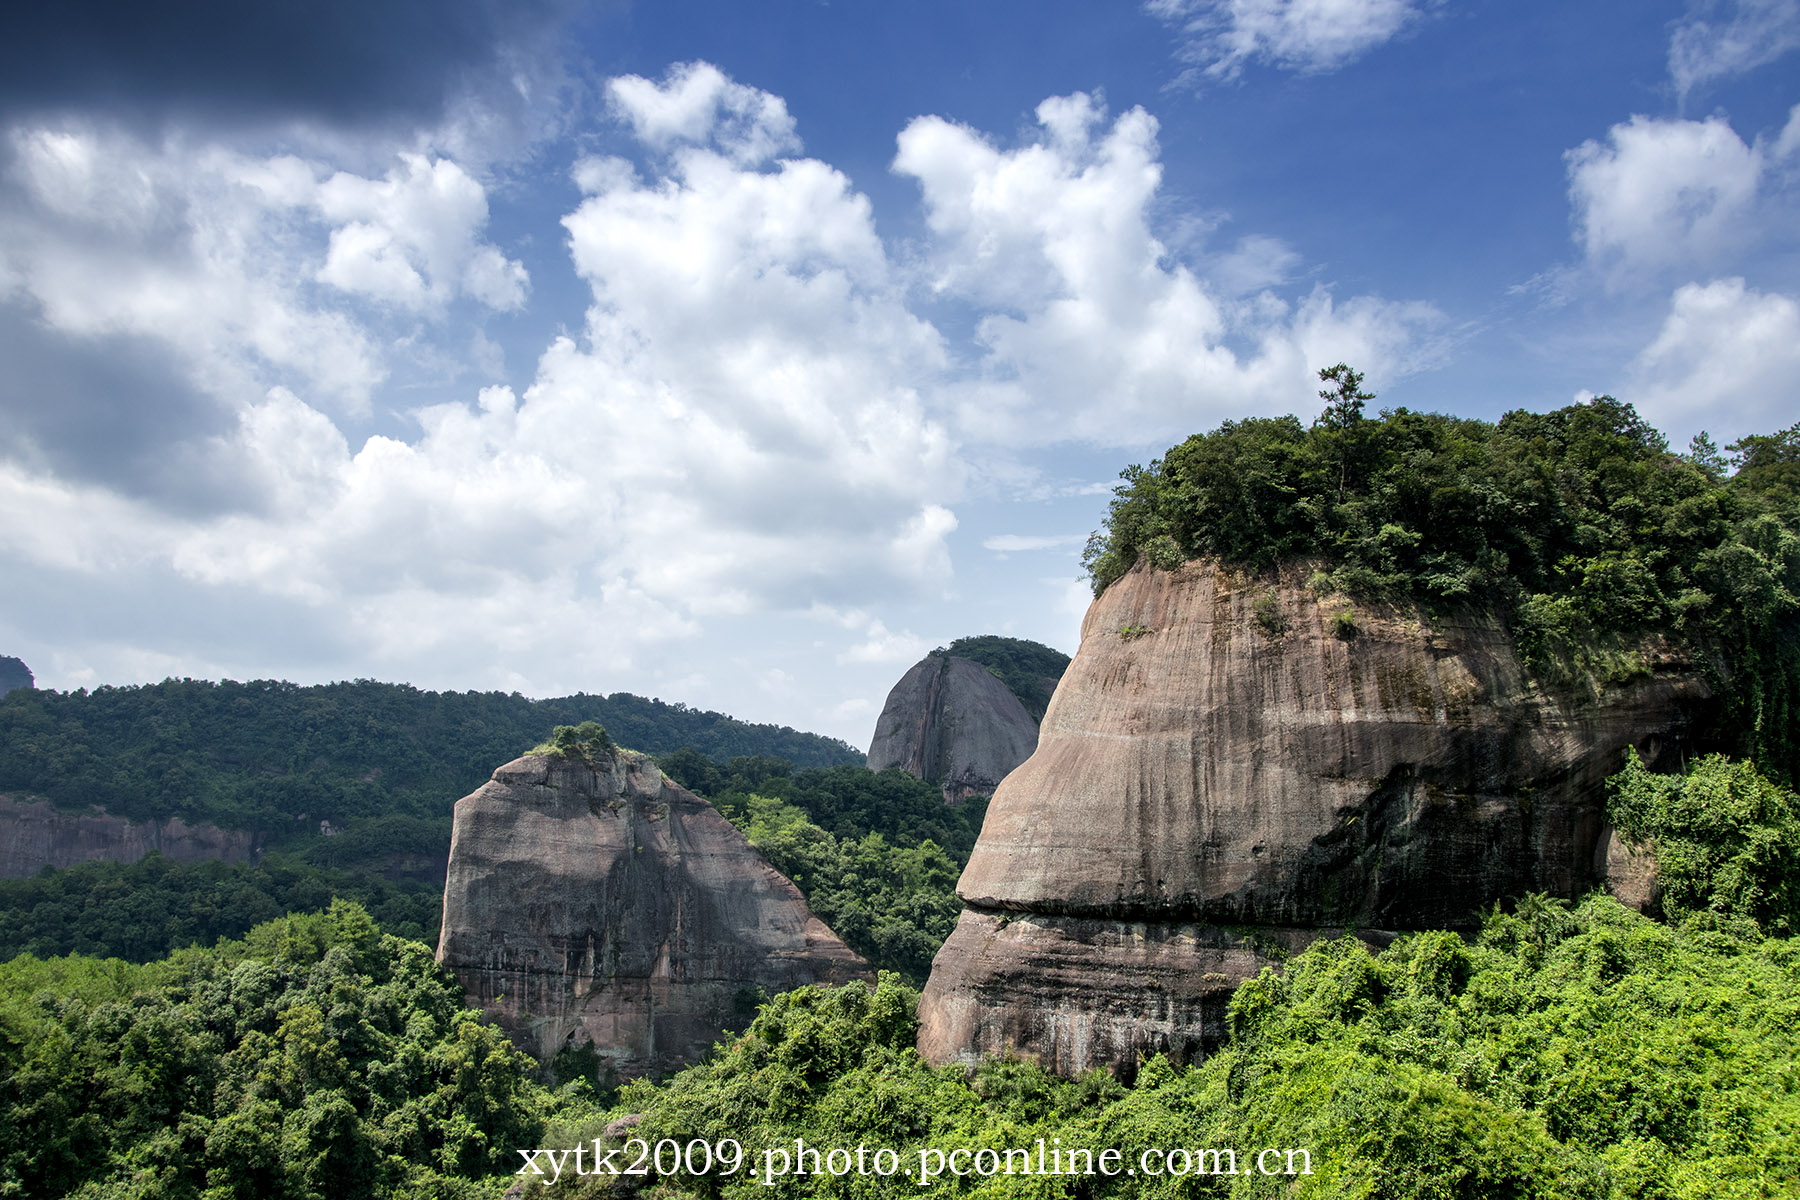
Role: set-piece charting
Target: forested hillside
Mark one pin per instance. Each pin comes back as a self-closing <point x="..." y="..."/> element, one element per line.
<point x="382" y="763"/>
<point x="1579" y="524"/>
<point x="1583" y="1053"/>
<point x="315" y="1058"/>
<point x="263" y="755"/>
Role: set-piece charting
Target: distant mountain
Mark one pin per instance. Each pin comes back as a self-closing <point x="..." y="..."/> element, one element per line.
<point x="277" y="757"/>
<point x="14" y="675"/>
<point x="965" y="716"/>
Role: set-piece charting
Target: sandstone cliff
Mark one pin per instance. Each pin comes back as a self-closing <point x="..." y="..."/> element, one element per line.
<point x="609" y="906"/>
<point x="34" y="835"/>
<point x="951" y="721"/>
<point x="1220" y="774"/>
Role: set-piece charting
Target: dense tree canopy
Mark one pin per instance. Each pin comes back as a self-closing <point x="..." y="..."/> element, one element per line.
<point x="876" y="853"/>
<point x="1578" y="524"/>
<point x="849" y="802"/>
<point x="1726" y="840"/>
<point x="1588" y="1053"/>
<point x="146" y="909"/>
<point x="317" y="1059"/>
<point x="264" y="754"/>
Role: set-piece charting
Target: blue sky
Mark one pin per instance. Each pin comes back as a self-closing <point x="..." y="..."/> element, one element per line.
<point x="739" y="354"/>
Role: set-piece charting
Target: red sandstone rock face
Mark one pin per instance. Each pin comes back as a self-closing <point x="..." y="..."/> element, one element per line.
<point x="1204" y="763"/>
<point x="612" y="907"/>
<point x="950" y="720"/>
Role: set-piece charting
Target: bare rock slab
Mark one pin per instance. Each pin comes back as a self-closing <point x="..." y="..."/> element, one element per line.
<point x="608" y="906"/>
<point x="951" y="721"/>
<point x="1220" y="756"/>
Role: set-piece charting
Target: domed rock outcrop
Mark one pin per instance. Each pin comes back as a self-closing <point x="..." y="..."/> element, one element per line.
<point x="605" y="905"/>
<point x="951" y="721"/>
<point x="1226" y="771"/>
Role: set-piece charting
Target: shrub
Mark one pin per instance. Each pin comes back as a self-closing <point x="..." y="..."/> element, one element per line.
<point x="587" y="741"/>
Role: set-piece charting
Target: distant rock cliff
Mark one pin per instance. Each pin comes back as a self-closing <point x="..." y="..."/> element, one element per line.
<point x="606" y="905"/>
<point x="950" y="720"/>
<point x="33" y="835"/>
<point x="14" y="674"/>
<point x="1224" y="771"/>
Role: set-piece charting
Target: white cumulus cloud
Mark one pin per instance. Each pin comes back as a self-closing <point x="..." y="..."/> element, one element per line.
<point x="1663" y="193"/>
<point x="1093" y="331"/>
<point x="1725" y="359"/>
<point x="739" y="428"/>
<point x="215" y="254"/>
<point x="696" y="104"/>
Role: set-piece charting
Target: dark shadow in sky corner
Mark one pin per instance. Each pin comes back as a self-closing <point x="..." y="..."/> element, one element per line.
<point x="347" y="63"/>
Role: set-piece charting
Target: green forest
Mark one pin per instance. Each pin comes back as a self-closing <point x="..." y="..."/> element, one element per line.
<point x="383" y="763"/>
<point x="1580" y="526"/>
<point x="270" y="756"/>
<point x="1582" y="1052"/>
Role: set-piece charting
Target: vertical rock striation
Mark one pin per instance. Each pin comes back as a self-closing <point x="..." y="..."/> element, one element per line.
<point x="608" y="906"/>
<point x="1220" y="774"/>
<point x="951" y="721"/>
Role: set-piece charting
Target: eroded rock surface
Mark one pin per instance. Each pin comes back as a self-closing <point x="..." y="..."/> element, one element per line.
<point x="951" y="721"/>
<point x="610" y="906"/>
<point x="35" y="835"/>
<point x="1216" y="758"/>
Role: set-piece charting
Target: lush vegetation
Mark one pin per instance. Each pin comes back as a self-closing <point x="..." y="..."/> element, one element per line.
<point x="588" y="742"/>
<point x="315" y="1059"/>
<point x="1726" y="841"/>
<point x="1584" y="1053"/>
<point x="1589" y="1053"/>
<point x="149" y="908"/>
<point x="848" y="802"/>
<point x="280" y="758"/>
<point x="1028" y="669"/>
<point x="378" y="765"/>
<point x="892" y="904"/>
<point x="876" y="854"/>
<point x="13" y="674"/>
<point x="1579" y="524"/>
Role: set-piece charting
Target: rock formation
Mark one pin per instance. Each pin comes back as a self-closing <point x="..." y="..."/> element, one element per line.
<point x="951" y="721"/>
<point x="34" y="835"/>
<point x="606" y="905"/>
<point x="14" y="674"/>
<point x="1225" y="770"/>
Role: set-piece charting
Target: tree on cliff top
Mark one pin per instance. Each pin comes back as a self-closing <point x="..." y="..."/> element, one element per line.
<point x="1579" y="526"/>
<point x="587" y="741"/>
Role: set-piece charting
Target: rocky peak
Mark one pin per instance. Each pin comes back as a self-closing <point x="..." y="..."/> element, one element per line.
<point x="14" y="674"/>
<point x="598" y="903"/>
<point x="952" y="721"/>
<point x="1227" y="750"/>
